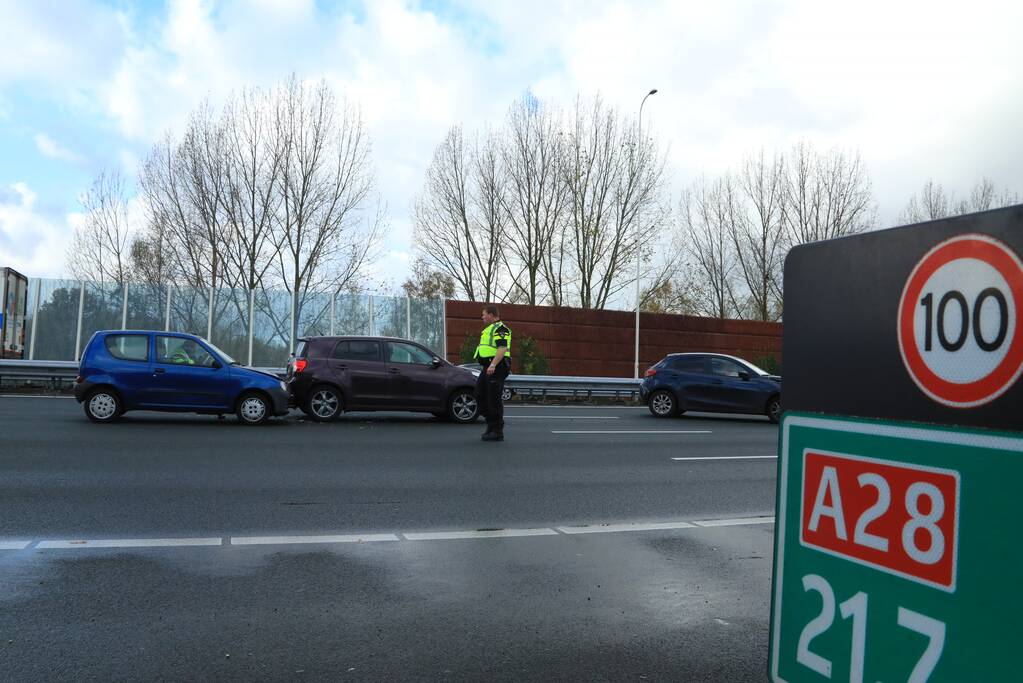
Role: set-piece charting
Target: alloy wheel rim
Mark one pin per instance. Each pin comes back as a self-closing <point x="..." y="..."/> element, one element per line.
<point x="102" y="406"/>
<point x="465" y="407"/>
<point x="662" y="404"/>
<point x="324" y="404"/>
<point x="253" y="409"/>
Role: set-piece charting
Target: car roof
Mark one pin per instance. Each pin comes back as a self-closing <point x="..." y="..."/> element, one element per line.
<point x="363" y="337"/>
<point x="708" y="354"/>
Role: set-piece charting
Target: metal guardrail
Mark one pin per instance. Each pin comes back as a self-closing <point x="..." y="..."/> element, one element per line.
<point x="57" y="371"/>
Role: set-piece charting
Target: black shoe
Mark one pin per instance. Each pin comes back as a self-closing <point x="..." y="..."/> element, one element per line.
<point x="493" y="436"/>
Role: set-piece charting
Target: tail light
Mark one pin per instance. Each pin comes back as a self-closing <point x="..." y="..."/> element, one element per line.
<point x="650" y="372"/>
<point x="300" y="364"/>
<point x="79" y="379"/>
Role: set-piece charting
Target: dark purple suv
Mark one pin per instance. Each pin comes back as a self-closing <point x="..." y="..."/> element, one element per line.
<point x="329" y="375"/>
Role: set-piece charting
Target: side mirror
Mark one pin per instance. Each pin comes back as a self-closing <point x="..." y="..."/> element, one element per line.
<point x="435" y="362"/>
<point x="216" y="365"/>
<point x="743" y="375"/>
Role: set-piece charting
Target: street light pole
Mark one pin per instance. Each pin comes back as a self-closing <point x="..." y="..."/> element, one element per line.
<point x="639" y="135"/>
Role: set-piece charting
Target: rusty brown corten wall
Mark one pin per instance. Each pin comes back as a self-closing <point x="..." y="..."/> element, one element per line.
<point x="588" y="343"/>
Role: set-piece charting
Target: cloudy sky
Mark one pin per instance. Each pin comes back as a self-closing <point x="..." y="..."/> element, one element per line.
<point x="920" y="89"/>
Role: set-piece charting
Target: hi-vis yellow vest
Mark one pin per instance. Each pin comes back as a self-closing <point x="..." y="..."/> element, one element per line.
<point x="488" y="338"/>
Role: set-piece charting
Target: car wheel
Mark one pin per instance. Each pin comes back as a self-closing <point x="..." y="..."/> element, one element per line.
<point x="103" y="405"/>
<point x="325" y="403"/>
<point x="662" y="403"/>
<point x="773" y="410"/>
<point x="253" y="409"/>
<point x="506" y="394"/>
<point x="462" y="407"/>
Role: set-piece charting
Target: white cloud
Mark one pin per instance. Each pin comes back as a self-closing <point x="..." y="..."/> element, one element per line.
<point x="919" y="89"/>
<point x="31" y="241"/>
<point x="52" y="149"/>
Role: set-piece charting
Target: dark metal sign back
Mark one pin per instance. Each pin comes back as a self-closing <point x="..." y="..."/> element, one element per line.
<point x="920" y="323"/>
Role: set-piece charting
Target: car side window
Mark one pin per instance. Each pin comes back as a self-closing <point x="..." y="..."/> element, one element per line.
<point x="357" y="349"/>
<point x="407" y="353"/>
<point x="725" y="368"/>
<point x="128" y="346"/>
<point x="181" y="351"/>
<point x="693" y="365"/>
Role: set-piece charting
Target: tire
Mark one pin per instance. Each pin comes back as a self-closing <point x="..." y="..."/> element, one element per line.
<point x="462" y="407"/>
<point x="662" y="403"/>
<point x="103" y="405"/>
<point x="325" y="403"/>
<point x="773" y="409"/>
<point x="253" y="409"/>
<point x="506" y="395"/>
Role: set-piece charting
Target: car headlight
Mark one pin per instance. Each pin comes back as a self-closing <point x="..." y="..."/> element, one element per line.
<point x="475" y="373"/>
<point x="284" y="387"/>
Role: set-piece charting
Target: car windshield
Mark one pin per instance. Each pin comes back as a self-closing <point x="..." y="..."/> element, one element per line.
<point x="226" y="358"/>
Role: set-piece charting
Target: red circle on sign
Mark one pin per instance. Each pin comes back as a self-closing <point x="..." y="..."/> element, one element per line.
<point x="991" y="386"/>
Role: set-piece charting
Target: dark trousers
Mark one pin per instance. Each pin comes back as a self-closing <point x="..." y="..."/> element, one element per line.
<point x="488" y="395"/>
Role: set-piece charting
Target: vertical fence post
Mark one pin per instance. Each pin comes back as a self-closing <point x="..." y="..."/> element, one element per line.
<point x="166" y="320"/>
<point x="209" y="317"/>
<point x="252" y="320"/>
<point x="35" y="319"/>
<point x="124" y="307"/>
<point x="81" y="310"/>
<point x="444" y="326"/>
<point x="293" y="324"/>
<point x="408" y="317"/>
<point x="333" y="305"/>
<point x="370" y="297"/>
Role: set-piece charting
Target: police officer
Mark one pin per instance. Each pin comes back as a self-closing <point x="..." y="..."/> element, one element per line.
<point x="494" y="356"/>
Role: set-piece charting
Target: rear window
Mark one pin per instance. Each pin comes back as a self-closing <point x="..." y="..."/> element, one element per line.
<point x="128" y="346"/>
<point x="687" y="364"/>
<point x="357" y="349"/>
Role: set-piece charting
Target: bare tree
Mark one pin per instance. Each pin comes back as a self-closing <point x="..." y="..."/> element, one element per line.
<point x="934" y="202"/>
<point x="827" y="195"/>
<point x="427" y="283"/>
<point x="325" y="224"/>
<point x="254" y="151"/>
<point x="757" y="232"/>
<point x="460" y="216"/>
<point x="100" y="247"/>
<point x="536" y="199"/>
<point x="614" y="185"/>
<point x="708" y="211"/>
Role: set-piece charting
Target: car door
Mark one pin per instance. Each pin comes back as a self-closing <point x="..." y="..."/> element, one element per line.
<point x="690" y="376"/>
<point x="186" y="374"/>
<point x="357" y="366"/>
<point x="130" y="365"/>
<point x="729" y="391"/>
<point x="416" y="383"/>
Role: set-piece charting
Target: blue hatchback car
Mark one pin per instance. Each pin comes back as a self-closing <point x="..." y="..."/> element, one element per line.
<point x="710" y="382"/>
<point x="126" y="370"/>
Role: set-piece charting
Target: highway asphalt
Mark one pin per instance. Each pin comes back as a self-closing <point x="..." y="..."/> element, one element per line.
<point x="595" y="543"/>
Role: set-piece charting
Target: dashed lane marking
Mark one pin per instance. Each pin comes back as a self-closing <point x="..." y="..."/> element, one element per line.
<point x="631" y="431"/>
<point x="731" y="457"/>
<point x="378" y="538"/>
<point x="285" y="540"/>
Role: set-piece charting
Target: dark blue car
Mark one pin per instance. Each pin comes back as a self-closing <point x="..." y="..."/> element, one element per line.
<point x="710" y="382"/>
<point x="170" y="371"/>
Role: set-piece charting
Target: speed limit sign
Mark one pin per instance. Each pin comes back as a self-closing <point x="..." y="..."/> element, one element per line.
<point x="959" y="320"/>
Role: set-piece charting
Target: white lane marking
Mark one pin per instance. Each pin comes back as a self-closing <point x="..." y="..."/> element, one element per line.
<point x="131" y="543"/>
<point x="284" y="540"/>
<point x="735" y="522"/>
<point x="495" y="533"/>
<point x="370" y="538"/>
<point x="31" y="396"/>
<point x="730" y="457"/>
<point x="562" y="417"/>
<point x="613" y="528"/>
<point x="633" y="431"/>
<point x="14" y="545"/>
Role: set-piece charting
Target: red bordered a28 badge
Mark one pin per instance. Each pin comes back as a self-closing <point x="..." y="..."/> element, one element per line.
<point x="959" y="321"/>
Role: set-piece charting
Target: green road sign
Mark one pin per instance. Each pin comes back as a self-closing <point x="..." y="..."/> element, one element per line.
<point x="897" y="557"/>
